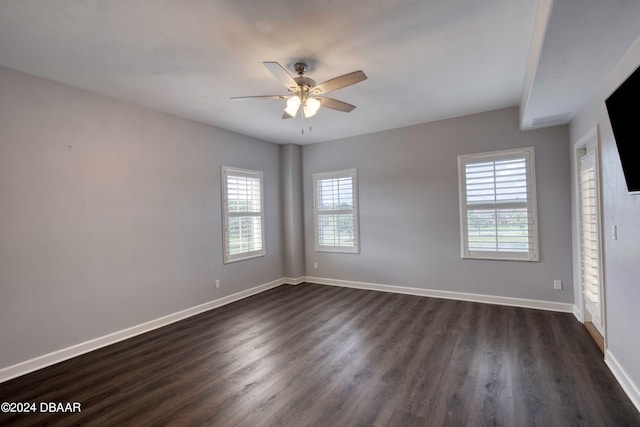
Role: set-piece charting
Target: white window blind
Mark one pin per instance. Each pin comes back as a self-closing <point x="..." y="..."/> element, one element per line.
<point x="336" y="211"/>
<point x="497" y="205"/>
<point x="590" y="238"/>
<point x="243" y="216"/>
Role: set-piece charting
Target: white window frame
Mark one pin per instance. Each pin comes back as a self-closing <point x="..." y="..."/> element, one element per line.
<point x="347" y="173"/>
<point x="227" y="171"/>
<point x="528" y="154"/>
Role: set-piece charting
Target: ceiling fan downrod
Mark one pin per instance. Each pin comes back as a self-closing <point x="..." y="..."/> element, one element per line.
<point x="300" y="68"/>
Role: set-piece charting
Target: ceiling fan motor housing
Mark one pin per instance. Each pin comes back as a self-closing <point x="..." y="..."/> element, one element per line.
<point x="305" y="81"/>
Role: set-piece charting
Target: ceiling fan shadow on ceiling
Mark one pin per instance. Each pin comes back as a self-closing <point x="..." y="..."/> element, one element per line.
<point x="305" y="93"/>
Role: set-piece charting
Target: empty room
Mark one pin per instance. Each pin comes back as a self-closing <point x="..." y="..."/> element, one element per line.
<point x="319" y="213"/>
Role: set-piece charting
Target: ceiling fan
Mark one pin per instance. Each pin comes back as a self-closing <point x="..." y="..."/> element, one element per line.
<point x="305" y="93"/>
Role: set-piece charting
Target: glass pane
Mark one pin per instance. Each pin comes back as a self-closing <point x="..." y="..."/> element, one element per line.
<point x="335" y="193"/>
<point x="481" y="230"/>
<point x="513" y="230"/>
<point x="498" y="230"/>
<point x="336" y="230"/>
<point x="243" y="194"/>
<point x="494" y="182"/>
<point x="244" y="234"/>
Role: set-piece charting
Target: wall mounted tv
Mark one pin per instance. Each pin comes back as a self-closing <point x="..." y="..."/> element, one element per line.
<point x="623" y="107"/>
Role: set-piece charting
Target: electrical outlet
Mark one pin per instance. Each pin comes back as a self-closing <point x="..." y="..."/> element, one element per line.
<point x="557" y="284"/>
<point x="315" y="265"/>
<point x="217" y="283"/>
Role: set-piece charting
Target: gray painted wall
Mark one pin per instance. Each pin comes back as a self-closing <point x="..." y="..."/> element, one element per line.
<point x="292" y="225"/>
<point x="621" y="256"/>
<point x="409" y="218"/>
<point x="110" y="215"/>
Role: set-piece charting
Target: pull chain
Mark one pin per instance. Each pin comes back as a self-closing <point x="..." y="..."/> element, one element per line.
<point x="303" y="119"/>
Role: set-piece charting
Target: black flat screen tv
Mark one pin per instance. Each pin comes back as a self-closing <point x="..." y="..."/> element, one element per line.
<point x="623" y="107"/>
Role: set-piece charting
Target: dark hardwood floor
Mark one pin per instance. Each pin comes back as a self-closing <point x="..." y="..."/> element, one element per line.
<point x="313" y="355"/>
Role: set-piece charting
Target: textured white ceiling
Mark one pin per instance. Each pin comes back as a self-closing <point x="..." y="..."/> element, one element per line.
<point x="426" y="60"/>
<point x="583" y="40"/>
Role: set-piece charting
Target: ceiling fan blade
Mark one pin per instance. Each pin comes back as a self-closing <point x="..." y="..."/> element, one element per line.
<point x="339" y="82"/>
<point x="286" y="115"/>
<point x="281" y="74"/>
<point x="334" y="104"/>
<point x="246" y="98"/>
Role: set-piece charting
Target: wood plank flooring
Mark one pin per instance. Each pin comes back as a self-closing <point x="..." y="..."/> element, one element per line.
<point x="313" y="355"/>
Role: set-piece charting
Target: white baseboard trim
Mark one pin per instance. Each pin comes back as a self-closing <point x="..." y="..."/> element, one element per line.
<point x="49" y="359"/>
<point x="293" y="281"/>
<point x="626" y="383"/>
<point x="578" y="313"/>
<point x="462" y="296"/>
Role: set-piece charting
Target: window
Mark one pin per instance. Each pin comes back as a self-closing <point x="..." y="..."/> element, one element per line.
<point x="243" y="214"/>
<point x="335" y="196"/>
<point x="498" y="205"/>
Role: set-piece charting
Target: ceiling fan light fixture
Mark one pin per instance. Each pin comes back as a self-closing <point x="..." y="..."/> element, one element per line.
<point x="304" y="91"/>
<point x="293" y="104"/>
<point x="311" y="106"/>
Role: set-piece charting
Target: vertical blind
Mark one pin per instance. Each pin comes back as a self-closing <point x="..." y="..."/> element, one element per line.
<point x="497" y="206"/>
<point x="243" y="216"/>
<point x="336" y="211"/>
